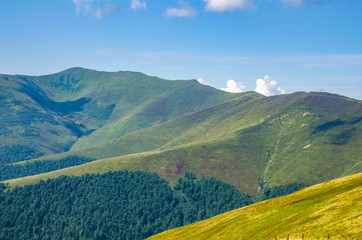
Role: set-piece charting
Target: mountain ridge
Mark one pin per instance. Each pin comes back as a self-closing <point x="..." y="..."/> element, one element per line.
<point x="98" y="99"/>
<point x="245" y="139"/>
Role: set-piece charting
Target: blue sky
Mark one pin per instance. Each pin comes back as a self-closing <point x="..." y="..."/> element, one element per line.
<point x="272" y="46"/>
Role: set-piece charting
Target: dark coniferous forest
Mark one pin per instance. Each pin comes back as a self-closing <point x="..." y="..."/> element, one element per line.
<point x="116" y="205"/>
<point x="16" y="153"/>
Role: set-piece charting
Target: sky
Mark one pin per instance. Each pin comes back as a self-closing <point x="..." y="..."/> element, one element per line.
<point x="268" y="46"/>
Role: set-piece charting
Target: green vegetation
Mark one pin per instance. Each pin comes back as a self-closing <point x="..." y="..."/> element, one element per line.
<point x="84" y="124"/>
<point x="115" y="205"/>
<point x="330" y="210"/>
<point x="284" y="148"/>
<point x="10" y="171"/>
<point x="80" y="108"/>
<point x="205" y="198"/>
<point x="131" y="121"/>
<point x="17" y="153"/>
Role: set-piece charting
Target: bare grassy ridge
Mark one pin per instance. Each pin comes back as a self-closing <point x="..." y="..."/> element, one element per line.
<point x="79" y="108"/>
<point x="330" y="210"/>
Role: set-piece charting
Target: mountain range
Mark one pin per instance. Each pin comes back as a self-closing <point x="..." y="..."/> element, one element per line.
<point x="131" y="121"/>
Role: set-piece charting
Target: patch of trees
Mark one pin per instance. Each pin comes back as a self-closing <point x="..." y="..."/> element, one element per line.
<point x="17" y="153"/>
<point x="115" y="205"/>
<point x="219" y="197"/>
<point x="10" y="171"/>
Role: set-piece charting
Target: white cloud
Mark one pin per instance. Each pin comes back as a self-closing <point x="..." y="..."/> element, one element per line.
<point x="202" y="81"/>
<point x="185" y="10"/>
<point x="137" y="4"/>
<point x="228" y="5"/>
<point x="81" y="5"/>
<point x="268" y="87"/>
<point x="233" y="87"/>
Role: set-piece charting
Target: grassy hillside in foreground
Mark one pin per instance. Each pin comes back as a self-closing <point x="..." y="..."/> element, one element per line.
<point x="295" y="139"/>
<point x="330" y="210"/>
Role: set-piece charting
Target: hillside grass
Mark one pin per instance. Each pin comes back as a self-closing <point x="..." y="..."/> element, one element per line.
<point x="330" y="210"/>
<point x="214" y="123"/>
<point x="142" y="101"/>
<point x="220" y="122"/>
<point x="80" y="108"/>
<point x="246" y="142"/>
<point x="245" y="160"/>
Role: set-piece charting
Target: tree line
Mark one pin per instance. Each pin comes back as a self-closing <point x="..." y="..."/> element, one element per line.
<point x="10" y="170"/>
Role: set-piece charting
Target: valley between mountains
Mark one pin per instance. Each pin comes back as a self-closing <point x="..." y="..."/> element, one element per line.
<point x="82" y="121"/>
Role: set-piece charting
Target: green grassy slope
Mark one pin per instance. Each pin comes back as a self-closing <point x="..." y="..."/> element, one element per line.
<point x="289" y="115"/>
<point x="212" y="123"/>
<point x="247" y="143"/>
<point x="79" y="108"/>
<point x="219" y="122"/>
<point x="142" y="101"/>
<point x="27" y="118"/>
<point x="330" y="210"/>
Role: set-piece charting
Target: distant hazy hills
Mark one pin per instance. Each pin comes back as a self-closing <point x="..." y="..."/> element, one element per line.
<point x="133" y="121"/>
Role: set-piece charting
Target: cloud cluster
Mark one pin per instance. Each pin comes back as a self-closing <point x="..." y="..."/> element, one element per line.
<point x="268" y="87"/>
<point x="102" y="8"/>
<point x="233" y="87"/>
<point x="264" y="86"/>
<point x="202" y="81"/>
<point x="227" y="5"/>
<point x="185" y="10"/>
<point x="137" y="4"/>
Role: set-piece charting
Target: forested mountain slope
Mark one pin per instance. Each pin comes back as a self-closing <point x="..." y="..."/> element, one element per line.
<point x="115" y="205"/>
